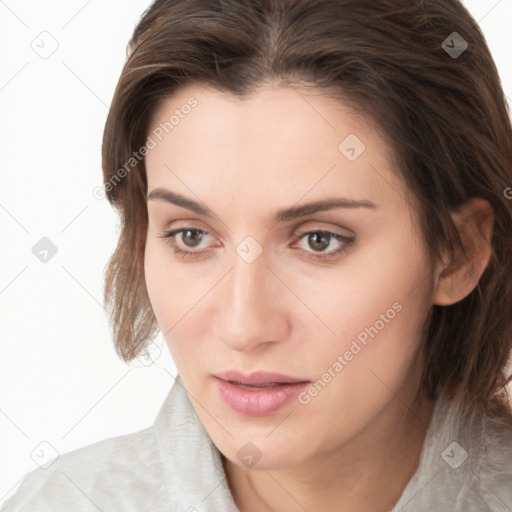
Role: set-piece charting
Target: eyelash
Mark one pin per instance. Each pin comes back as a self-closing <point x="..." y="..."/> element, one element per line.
<point x="347" y="243"/>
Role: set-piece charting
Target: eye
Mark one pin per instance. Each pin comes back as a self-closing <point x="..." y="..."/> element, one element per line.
<point x="184" y="239"/>
<point x="191" y="237"/>
<point x="192" y="243"/>
<point x="324" y="244"/>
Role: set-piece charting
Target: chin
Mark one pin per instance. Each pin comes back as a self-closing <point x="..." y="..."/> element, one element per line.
<point x="263" y="455"/>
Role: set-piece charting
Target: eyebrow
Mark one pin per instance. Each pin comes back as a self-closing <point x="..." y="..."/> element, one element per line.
<point x="284" y="215"/>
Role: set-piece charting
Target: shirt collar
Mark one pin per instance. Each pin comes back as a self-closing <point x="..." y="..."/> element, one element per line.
<point x="196" y="480"/>
<point x="195" y="475"/>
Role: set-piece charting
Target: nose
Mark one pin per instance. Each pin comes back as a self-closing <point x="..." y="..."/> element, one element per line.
<point x="251" y="311"/>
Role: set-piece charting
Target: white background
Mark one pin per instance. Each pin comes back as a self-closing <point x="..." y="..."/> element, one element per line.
<point x="60" y="379"/>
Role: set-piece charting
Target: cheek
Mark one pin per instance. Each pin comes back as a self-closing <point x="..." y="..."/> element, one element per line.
<point x="154" y="274"/>
<point x="369" y="281"/>
<point x="166" y="292"/>
<point x="376" y="305"/>
<point x="177" y="296"/>
<point x="167" y="303"/>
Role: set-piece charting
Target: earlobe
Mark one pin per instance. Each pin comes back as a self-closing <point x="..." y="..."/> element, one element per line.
<point x="458" y="278"/>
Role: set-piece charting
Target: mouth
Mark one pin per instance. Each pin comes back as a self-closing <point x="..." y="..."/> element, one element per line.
<point x="257" y="394"/>
<point x="260" y="386"/>
<point x="258" y="379"/>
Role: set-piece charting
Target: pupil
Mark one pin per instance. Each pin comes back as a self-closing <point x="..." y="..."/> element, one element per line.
<point x="319" y="241"/>
<point x="192" y="238"/>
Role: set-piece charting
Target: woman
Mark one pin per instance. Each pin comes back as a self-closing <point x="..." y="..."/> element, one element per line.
<point x="315" y="205"/>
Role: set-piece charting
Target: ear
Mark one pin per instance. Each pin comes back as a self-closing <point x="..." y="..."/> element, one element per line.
<point x="458" y="278"/>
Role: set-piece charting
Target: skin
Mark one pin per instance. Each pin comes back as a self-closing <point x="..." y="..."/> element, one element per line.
<point x="358" y="442"/>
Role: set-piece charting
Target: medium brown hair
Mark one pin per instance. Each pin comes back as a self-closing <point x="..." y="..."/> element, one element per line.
<point x="444" y="115"/>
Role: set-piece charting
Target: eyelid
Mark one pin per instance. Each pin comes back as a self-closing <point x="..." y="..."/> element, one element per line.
<point x="345" y="241"/>
<point x="325" y="227"/>
<point x="171" y="233"/>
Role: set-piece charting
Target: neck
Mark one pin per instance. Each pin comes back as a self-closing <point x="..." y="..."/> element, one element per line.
<point x="370" y="472"/>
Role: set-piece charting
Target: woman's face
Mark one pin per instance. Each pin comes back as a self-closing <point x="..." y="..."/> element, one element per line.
<point x="295" y="252"/>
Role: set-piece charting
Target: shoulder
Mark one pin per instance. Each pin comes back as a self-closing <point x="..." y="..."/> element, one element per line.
<point x="118" y="470"/>
<point x="494" y="474"/>
<point x="465" y="464"/>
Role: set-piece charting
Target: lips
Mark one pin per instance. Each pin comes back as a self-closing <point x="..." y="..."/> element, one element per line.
<point x="259" y="393"/>
<point x="258" y="378"/>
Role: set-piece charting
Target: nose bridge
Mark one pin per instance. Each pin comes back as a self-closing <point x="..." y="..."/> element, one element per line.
<point x="248" y="312"/>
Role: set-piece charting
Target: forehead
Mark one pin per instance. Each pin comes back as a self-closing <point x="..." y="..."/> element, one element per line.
<point x="296" y="141"/>
<point x="259" y="118"/>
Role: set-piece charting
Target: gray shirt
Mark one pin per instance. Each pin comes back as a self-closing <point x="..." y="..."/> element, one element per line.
<point x="173" y="466"/>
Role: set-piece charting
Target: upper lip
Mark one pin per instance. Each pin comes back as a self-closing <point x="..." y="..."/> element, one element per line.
<point x="256" y="378"/>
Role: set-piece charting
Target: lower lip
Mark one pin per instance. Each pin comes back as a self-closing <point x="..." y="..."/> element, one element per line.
<point x="259" y="402"/>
